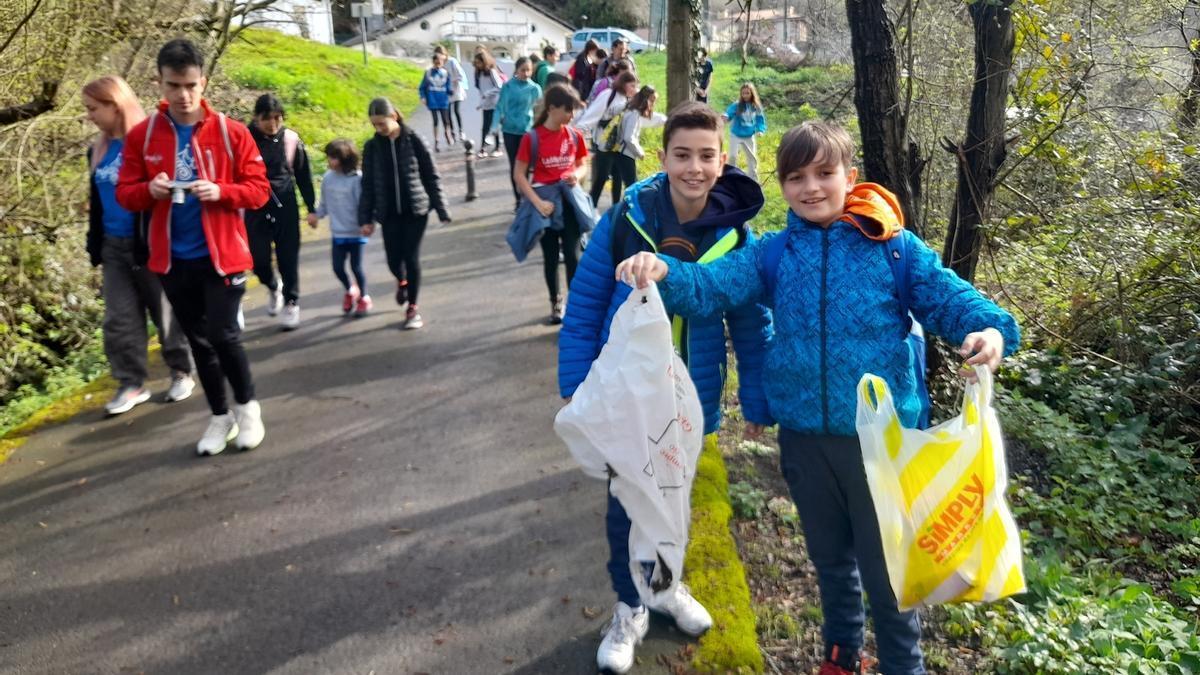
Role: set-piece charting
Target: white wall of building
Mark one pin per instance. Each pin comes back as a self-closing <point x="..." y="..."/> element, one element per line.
<point x="505" y="28"/>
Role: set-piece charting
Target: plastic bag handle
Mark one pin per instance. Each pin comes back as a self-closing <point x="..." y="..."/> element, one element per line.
<point x="978" y="394"/>
<point x="882" y="406"/>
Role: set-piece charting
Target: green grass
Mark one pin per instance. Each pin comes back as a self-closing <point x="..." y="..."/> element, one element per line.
<point x="324" y="89"/>
<point x="716" y="575"/>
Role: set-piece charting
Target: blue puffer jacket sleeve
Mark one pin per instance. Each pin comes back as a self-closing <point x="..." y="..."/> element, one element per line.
<point x="948" y="306"/>
<point x="750" y="329"/>
<point x="732" y="281"/>
<point x="581" y="338"/>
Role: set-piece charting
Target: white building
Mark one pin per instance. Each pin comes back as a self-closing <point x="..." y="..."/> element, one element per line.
<point x="311" y="19"/>
<point x="508" y="28"/>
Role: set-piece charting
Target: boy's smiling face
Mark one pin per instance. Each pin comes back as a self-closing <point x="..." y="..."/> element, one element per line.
<point x="817" y="191"/>
<point x="693" y="162"/>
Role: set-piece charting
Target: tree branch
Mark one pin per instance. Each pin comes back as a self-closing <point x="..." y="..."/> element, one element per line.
<point x="21" y="24"/>
<point x="41" y="103"/>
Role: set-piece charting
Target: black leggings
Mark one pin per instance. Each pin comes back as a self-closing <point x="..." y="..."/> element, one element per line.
<point x="512" y="143"/>
<point x="488" y="117"/>
<point x="278" y="225"/>
<point x="402" y="243"/>
<point x="444" y="114"/>
<point x="624" y="174"/>
<point x="565" y="240"/>
<point x="206" y="305"/>
<point x="602" y="169"/>
<point x="456" y="108"/>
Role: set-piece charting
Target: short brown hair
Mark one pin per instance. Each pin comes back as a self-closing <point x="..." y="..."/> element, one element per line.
<point x="804" y="143"/>
<point x="342" y="149"/>
<point x="692" y="115"/>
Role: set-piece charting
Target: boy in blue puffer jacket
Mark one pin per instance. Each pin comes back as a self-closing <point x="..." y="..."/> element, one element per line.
<point x="697" y="211"/>
<point x="837" y="316"/>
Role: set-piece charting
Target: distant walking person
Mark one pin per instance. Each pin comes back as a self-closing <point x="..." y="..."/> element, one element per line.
<point x="488" y="80"/>
<point x="747" y="122"/>
<point x="459" y="88"/>
<point x="517" y="98"/>
<point x="436" y="91"/>
<point x="400" y="186"/>
<point x="583" y="71"/>
<point x="626" y="137"/>
<point x="596" y="120"/>
<point x="195" y="169"/>
<point x="704" y="79"/>
<point x="277" y="224"/>
<point x="546" y="65"/>
<point x="341" y="190"/>
<point x="116" y="239"/>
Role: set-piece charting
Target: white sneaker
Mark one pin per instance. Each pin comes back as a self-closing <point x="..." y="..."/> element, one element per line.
<point x="274" y="300"/>
<point x="689" y="614"/>
<point x="623" y="633"/>
<point x="125" y="399"/>
<point x="249" y="422"/>
<point x="221" y="429"/>
<point x="182" y="385"/>
<point x="291" y="317"/>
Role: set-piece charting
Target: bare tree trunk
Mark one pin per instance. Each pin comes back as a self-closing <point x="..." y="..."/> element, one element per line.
<point x="888" y="158"/>
<point x="982" y="153"/>
<point x="683" y="21"/>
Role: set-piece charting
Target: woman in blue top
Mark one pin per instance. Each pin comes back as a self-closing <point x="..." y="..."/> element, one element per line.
<point x="517" y="98"/>
<point x="746" y="121"/>
<point x="116" y="238"/>
<point x="436" y="91"/>
<point x="837" y="315"/>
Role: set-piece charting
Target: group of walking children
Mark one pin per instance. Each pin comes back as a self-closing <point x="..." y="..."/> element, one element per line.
<point x="835" y="314"/>
<point x="442" y="89"/>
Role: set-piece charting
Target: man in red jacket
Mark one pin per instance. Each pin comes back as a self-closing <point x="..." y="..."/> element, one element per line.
<point x="193" y="169"/>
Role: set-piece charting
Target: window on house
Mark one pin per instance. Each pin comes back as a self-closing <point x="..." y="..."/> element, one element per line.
<point x="467" y="15"/>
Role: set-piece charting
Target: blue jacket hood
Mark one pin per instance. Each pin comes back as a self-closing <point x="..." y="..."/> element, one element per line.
<point x="735" y="198"/>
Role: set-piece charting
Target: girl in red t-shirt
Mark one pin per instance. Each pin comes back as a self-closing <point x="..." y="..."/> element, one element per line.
<point x="559" y="159"/>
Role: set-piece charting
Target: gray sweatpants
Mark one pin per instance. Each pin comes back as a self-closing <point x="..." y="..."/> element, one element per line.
<point x="131" y="293"/>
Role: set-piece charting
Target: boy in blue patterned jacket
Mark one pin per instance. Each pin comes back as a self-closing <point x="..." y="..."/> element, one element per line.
<point x="837" y="316"/>
<point x="696" y="210"/>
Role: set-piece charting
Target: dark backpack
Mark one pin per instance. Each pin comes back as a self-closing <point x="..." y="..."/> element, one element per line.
<point x="914" y="334"/>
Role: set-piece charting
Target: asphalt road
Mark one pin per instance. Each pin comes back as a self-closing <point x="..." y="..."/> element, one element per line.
<point x="410" y="511"/>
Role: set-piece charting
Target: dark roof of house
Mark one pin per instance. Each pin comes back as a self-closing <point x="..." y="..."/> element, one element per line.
<point x="430" y="7"/>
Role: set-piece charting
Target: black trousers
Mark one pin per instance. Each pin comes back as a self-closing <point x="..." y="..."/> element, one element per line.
<point x="402" y="242"/>
<point x="512" y="143"/>
<point x="624" y="170"/>
<point x="206" y="305"/>
<point x="277" y="225"/>
<point x="488" y="117"/>
<point x="456" y="110"/>
<point x="565" y="240"/>
<point x="602" y="170"/>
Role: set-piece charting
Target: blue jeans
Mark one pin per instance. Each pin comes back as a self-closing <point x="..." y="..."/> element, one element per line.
<point x="616" y="525"/>
<point x="829" y="486"/>
<point x="354" y="251"/>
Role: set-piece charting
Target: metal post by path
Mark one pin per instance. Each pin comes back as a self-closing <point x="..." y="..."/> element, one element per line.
<point x="362" y="21"/>
<point x="469" y="163"/>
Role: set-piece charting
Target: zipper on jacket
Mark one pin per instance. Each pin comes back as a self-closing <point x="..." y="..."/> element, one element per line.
<point x="198" y="159"/>
<point x="395" y="172"/>
<point x="171" y="207"/>
<point x="824" y="335"/>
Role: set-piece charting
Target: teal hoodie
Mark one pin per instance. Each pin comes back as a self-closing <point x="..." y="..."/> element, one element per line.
<point x="517" y="98"/>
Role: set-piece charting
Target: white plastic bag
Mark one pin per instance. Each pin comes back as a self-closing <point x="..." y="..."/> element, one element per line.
<point x="948" y="535"/>
<point x="637" y="413"/>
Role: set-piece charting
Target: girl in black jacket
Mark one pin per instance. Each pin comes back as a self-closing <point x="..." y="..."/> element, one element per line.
<point x="400" y="186"/>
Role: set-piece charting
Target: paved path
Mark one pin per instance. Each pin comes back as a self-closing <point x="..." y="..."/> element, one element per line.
<point x="411" y="510"/>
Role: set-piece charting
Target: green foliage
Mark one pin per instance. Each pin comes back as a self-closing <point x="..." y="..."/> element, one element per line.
<point x="1083" y="622"/>
<point x="747" y="501"/>
<point x="324" y="89"/>
<point x="715" y="573"/>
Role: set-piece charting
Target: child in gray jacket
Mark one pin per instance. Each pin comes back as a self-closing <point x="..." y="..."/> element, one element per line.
<point x="340" y="191"/>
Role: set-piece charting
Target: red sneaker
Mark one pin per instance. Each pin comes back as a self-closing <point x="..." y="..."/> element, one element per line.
<point x="349" y="299"/>
<point x="364" y="306"/>
<point x="839" y="662"/>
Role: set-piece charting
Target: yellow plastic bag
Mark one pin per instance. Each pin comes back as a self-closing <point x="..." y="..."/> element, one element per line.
<point x="948" y="535"/>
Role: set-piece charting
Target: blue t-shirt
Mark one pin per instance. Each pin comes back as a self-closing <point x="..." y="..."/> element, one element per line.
<point x="117" y="221"/>
<point x="187" y="230"/>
